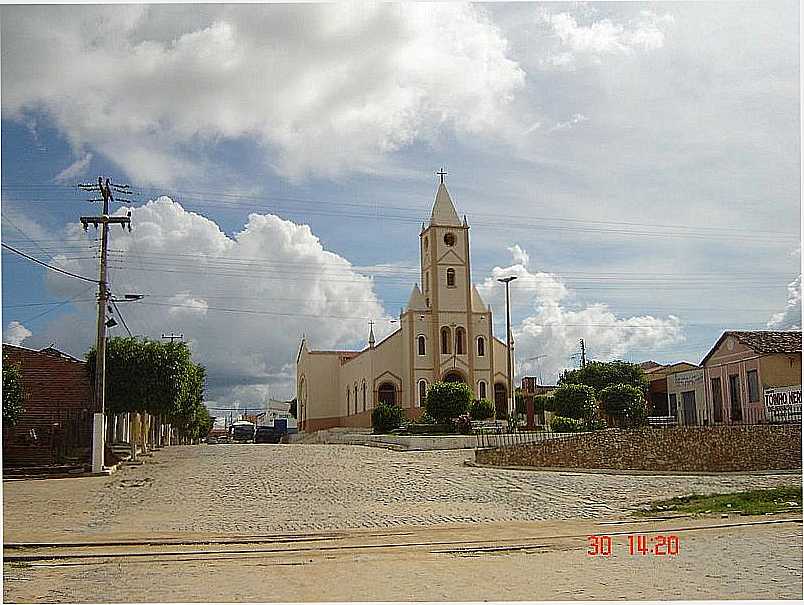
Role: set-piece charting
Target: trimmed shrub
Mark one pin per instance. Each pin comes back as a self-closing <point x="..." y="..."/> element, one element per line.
<point x="448" y="400"/>
<point x="562" y="424"/>
<point x="386" y="417"/>
<point x="575" y="401"/>
<point x="481" y="409"/>
<point x="595" y="424"/>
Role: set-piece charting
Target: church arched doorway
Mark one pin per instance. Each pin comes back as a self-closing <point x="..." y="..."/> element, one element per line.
<point x="453" y="376"/>
<point x="500" y="400"/>
<point x="387" y="393"/>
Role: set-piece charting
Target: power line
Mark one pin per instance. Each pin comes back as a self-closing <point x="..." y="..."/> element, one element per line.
<point x="51" y="267"/>
<point x="384" y="212"/>
<point x="120" y="315"/>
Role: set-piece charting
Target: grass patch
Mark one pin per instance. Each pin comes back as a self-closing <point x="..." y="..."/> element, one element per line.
<point x="753" y="502"/>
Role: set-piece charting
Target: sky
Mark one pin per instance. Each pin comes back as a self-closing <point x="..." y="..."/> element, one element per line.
<point x="635" y="165"/>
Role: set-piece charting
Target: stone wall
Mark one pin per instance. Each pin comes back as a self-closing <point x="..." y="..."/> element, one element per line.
<point x="684" y="449"/>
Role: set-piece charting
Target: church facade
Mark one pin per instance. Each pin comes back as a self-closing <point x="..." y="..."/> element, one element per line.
<point x="445" y="334"/>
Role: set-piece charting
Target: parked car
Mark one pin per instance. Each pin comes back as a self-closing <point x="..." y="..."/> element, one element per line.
<point x="223" y="438"/>
<point x="212" y="440"/>
<point x="267" y="434"/>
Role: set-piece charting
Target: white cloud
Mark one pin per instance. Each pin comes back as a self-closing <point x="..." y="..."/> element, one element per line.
<point x="575" y="119"/>
<point x="324" y="89"/>
<point x="15" y="333"/>
<point x="553" y="326"/>
<point x="74" y="170"/>
<point x="242" y="302"/>
<point x="603" y="37"/>
<point x="790" y="318"/>
<point x="520" y="256"/>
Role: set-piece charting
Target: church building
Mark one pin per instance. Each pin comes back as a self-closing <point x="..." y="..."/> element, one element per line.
<point x="445" y="334"/>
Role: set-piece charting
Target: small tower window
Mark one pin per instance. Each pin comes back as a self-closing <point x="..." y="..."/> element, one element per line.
<point x="450" y="278"/>
<point x="426" y="282"/>
<point x="449" y="239"/>
<point x="422" y="347"/>
<point x="426" y="244"/>
<point x="364" y="395"/>
<point x="481" y="390"/>
<point x="481" y="346"/>
<point x="446" y="347"/>
<point x="460" y="336"/>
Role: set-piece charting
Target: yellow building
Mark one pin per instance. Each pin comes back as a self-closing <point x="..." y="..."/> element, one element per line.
<point x="445" y="334"/>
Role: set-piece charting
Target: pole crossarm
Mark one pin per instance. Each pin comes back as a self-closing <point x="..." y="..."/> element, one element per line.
<point x="86" y="221"/>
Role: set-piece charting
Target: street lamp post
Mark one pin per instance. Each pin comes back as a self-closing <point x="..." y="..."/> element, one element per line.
<point x="509" y="345"/>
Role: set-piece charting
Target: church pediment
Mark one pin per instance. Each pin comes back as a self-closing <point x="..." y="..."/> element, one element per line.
<point x="450" y="256"/>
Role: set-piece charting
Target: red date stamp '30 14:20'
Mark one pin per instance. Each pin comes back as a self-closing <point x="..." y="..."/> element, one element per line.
<point x="638" y="544"/>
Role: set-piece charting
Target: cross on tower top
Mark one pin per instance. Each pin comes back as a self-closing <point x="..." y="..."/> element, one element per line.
<point x="442" y="173"/>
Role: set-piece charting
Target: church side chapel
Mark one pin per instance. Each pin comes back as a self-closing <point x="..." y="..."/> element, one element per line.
<point x="445" y="334"/>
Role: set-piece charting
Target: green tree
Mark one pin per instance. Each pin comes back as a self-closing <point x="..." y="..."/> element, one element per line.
<point x="154" y="377"/>
<point x="519" y="402"/>
<point x="293" y="407"/>
<point x="481" y="409"/>
<point x="575" y="401"/>
<point x="13" y="394"/>
<point x="618" y="399"/>
<point x="543" y="403"/>
<point x="448" y="400"/>
<point x="601" y="374"/>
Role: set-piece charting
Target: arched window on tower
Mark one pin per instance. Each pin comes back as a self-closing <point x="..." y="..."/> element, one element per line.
<point x="460" y="339"/>
<point x="481" y="346"/>
<point x="450" y="278"/>
<point x="481" y="389"/>
<point x="422" y="392"/>
<point x="422" y="345"/>
<point x="426" y="282"/>
<point x="364" y="395"/>
<point x="446" y="344"/>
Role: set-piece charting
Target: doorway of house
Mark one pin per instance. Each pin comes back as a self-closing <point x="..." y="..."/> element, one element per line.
<point x="500" y="400"/>
<point x="688" y="406"/>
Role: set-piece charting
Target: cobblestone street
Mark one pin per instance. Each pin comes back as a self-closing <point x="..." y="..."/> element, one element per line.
<point x="211" y="523"/>
<point x="291" y="488"/>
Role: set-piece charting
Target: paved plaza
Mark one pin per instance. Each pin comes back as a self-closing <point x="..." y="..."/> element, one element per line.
<point x="252" y="488"/>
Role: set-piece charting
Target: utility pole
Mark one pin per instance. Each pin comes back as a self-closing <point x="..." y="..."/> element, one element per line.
<point x="583" y="354"/>
<point x="105" y="189"/>
<point x="171" y="337"/>
<point x="509" y="344"/>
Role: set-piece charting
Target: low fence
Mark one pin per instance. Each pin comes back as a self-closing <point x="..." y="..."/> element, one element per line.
<point x="504" y="436"/>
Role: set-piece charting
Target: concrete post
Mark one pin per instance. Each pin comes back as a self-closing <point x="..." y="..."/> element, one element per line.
<point x="97" y="438"/>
